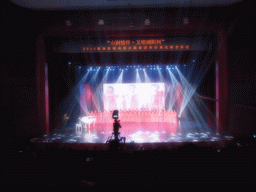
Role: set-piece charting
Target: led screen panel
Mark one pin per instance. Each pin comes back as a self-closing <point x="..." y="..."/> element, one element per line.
<point x="133" y="96"/>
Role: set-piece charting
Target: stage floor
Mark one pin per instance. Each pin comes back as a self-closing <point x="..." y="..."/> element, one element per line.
<point x="139" y="133"/>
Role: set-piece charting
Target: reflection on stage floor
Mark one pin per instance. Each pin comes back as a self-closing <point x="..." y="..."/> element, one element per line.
<point x="133" y="132"/>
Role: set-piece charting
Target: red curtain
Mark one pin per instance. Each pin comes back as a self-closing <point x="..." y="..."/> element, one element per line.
<point x="222" y="90"/>
<point x="42" y="87"/>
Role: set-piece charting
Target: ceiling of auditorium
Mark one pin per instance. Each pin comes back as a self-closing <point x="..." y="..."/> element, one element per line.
<point x="95" y="4"/>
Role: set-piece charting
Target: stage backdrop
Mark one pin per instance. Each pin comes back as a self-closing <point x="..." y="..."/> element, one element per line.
<point x="132" y="96"/>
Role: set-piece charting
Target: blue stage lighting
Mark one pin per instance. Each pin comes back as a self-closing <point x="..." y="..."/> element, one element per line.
<point x="79" y="67"/>
<point x="194" y="60"/>
<point x="69" y="63"/>
<point x="126" y="69"/>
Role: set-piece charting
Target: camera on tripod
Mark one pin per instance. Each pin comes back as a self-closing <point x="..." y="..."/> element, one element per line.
<point x="115" y="114"/>
<point x="115" y="143"/>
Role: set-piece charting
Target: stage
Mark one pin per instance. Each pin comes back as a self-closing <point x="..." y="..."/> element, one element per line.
<point x="139" y="135"/>
<point x="160" y="103"/>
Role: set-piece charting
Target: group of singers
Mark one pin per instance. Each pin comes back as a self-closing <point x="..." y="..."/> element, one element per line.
<point x="139" y="115"/>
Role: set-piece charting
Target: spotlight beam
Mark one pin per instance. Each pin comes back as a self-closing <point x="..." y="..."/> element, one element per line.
<point x="138" y="80"/>
<point x="120" y="78"/>
<point x="147" y="79"/>
<point x="200" y="122"/>
<point x="74" y="97"/>
<point x="99" y="89"/>
<point x="188" y="91"/>
<point x="160" y="74"/>
<point x="174" y="83"/>
<point x="94" y="76"/>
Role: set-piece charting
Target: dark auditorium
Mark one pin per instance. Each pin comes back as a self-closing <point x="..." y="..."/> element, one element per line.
<point x="124" y="93"/>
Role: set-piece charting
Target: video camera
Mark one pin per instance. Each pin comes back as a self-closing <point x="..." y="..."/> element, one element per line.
<point x="115" y="114"/>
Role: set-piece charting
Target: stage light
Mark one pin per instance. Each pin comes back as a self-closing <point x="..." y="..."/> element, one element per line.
<point x="100" y="22"/>
<point x="185" y="21"/>
<point x="79" y="67"/>
<point x="193" y="60"/>
<point x="69" y="63"/>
